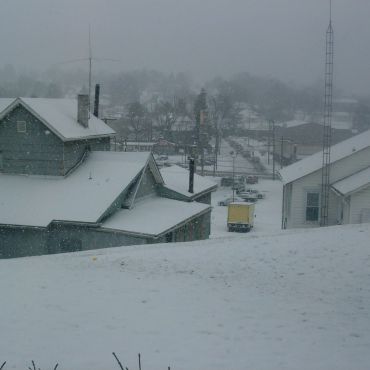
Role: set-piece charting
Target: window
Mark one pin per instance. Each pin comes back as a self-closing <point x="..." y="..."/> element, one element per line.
<point x="1" y="161"/>
<point x="21" y="126"/>
<point x="312" y="206"/>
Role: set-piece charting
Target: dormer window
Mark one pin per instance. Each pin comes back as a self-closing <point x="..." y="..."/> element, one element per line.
<point x="21" y="126"/>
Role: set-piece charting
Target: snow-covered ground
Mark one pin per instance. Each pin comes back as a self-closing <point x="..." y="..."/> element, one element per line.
<point x="284" y="300"/>
<point x="268" y="300"/>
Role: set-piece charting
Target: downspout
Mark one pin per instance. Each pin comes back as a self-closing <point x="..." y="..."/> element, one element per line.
<point x="283" y="209"/>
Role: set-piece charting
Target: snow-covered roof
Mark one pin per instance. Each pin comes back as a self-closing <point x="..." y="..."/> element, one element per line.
<point x="154" y="216"/>
<point x="83" y="196"/>
<point x="5" y="102"/>
<point x="353" y="183"/>
<point x="176" y="178"/>
<point x="314" y="162"/>
<point x="60" y="116"/>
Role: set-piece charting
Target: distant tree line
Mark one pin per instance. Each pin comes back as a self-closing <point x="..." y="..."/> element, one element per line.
<point x="153" y="101"/>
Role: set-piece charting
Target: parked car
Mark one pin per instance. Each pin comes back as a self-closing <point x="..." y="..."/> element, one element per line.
<point x="238" y="188"/>
<point x="252" y="179"/>
<point x="248" y="196"/>
<point x="209" y="161"/>
<point x="227" y="201"/>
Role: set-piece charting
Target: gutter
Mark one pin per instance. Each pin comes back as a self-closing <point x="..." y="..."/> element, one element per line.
<point x="12" y="226"/>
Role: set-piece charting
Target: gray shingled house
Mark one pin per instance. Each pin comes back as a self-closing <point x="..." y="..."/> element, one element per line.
<point x="62" y="190"/>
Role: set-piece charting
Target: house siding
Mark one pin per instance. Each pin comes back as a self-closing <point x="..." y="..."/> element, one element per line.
<point x="196" y="229"/>
<point x="147" y="185"/>
<point x="359" y="201"/>
<point x="21" y="242"/>
<point x="64" y="237"/>
<point x="295" y="215"/>
<point x="170" y="194"/>
<point x="205" y="198"/>
<point x="37" y="151"/>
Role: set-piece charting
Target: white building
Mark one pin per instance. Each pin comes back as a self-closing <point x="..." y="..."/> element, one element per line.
<point x="349" y="200"/>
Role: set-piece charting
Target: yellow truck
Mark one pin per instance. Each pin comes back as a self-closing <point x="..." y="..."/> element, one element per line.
<point x="240" y="216"/>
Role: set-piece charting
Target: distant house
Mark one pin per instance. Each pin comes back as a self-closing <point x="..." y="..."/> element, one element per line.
<point x="349" y="200"/>
<point x="303" y="140"/>
<point x="62" y="189"/>
<point x="138" y="146"/>
<point x="166" y="147"/>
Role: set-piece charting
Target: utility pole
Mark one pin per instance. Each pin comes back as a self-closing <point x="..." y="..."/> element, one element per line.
<point x="281" y="152"/>
<point x="233" y="155"/>
<point x="269" y="142"/>
<point x="216" y="148"/>
<point x="202" y="133"/>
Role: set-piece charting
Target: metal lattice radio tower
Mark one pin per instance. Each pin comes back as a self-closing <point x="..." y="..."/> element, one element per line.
<point x="328" y="110"/>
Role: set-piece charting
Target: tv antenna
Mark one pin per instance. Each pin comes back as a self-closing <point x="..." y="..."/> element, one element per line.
<point x="90" y="60"/>
<point x="328" y="111"/>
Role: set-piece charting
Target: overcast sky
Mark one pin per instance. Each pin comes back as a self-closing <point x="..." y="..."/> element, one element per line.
<point x="278" y="38"/>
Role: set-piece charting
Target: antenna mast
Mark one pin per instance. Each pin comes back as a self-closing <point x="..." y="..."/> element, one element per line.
<point x="90" y="60"/>
<point x="90" y="66"/>
<point x="328" y="110"/>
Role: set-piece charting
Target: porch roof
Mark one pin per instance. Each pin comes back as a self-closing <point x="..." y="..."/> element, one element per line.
<point x="353" y="183"/>
<point x="154" y="216"/>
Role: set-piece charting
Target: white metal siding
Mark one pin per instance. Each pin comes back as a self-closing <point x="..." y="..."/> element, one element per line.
<point x="299" y="197"/>
<point x="296" y="216"/>
<point x="359" y="201"/>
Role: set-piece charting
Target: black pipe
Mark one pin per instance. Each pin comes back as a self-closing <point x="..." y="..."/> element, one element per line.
<point x="191" y="174"/>
<point x="96" y="101"/>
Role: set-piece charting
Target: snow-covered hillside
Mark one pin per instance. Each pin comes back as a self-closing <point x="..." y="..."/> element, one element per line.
<point x="289" y="300"/>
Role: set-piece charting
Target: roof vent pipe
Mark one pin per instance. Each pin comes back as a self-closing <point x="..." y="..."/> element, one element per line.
<point x="83" y="110"/>
<point x="96" y="101"/>
<point x="191" y="174"/>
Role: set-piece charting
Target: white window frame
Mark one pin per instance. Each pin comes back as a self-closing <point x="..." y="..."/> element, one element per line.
<point x="312" y="191"/>
<point x="21" y="126"/>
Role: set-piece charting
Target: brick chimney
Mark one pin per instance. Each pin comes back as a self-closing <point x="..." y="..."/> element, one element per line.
<point x="83" y="110"/>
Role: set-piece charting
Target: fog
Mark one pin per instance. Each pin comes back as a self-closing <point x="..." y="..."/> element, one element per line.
<point x="284" y="39"/>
